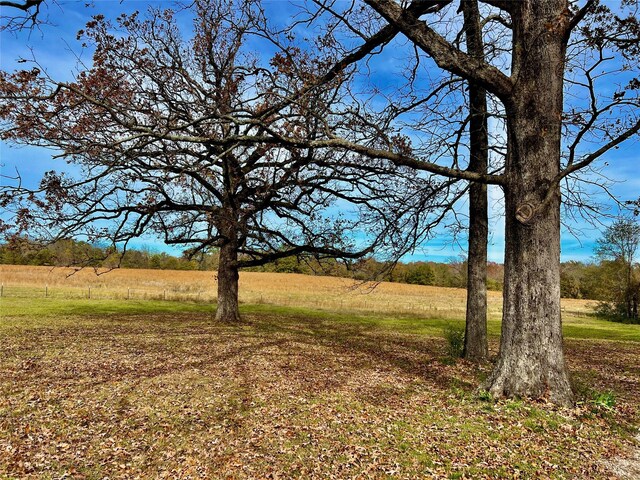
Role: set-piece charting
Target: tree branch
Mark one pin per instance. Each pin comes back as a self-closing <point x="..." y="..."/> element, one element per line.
<point x="21" y="6"/>
<point x="506" y="5"/>
<point x="555" y="184"/>
<point x="442" y="51"/>
<point x="580" y="14"/>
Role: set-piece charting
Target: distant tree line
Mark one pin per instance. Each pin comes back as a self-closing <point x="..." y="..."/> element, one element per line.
<point x="74" y="253"/>
<point x="69" y="252"/>
<point x="599" y="280"/>
<point x="450" y="274"/>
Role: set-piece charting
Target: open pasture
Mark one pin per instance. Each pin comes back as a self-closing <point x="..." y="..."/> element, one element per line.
<point x="95" y="388"/>
<point x="318" y="292"/>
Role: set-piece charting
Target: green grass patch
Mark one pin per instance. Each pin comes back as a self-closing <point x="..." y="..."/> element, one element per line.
<point x="590" y="327"/>
<point x="15" y="306"/>
<point x="26" y="311"/>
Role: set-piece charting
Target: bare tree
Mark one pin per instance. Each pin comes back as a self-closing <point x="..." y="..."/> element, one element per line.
<point x="530" y="87"/>
<point x="183" y="139"/>
<point x="476" y="347"/>
<point x="620" y="243"/>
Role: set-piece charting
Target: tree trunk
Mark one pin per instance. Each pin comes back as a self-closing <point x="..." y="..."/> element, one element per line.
<point x="475" y="337"/>
<point x="629" y="288"/>
<point x="531" y="361"/>
<point x="227" y="310"/>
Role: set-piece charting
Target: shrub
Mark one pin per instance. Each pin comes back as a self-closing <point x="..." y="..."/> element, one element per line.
<point x="604" y="400"/>
<point x="614" y="311"/>
<point x="420" y="274"/>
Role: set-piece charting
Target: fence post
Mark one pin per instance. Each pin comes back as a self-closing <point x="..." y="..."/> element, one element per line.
<point x="1" y="289"/>
<point x="164" y="294"/>
<point x="128" y="293"/>
<point x="89" y="293"/>
<point x="46" y="291"/>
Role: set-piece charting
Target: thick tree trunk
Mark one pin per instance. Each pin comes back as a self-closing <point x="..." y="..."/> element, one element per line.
<point x="475" y="337"/>
<point x="227" y="310"/>
<point x="531" y="361"/>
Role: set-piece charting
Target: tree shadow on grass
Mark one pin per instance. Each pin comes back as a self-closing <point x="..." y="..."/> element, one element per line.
<point x="413" y="356"/>
<point x="310" y="355"/>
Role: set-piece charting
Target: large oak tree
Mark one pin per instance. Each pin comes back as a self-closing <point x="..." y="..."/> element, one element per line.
<point x="183" y="138"/>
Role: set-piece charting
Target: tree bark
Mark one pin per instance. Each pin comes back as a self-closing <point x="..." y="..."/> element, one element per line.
<point x="475" y="338"/>
<point x="227" y="310"/>
<point x="531" y="361"/>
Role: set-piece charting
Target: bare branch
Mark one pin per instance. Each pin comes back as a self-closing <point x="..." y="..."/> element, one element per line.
<point x="443" y="52"/>
<point x="29" y="18"/>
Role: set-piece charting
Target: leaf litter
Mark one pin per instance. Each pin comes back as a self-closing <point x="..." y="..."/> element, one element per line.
<point x="178" y="396"/>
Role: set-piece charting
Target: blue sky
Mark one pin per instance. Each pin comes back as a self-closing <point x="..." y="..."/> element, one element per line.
<point x="55" y="47"/>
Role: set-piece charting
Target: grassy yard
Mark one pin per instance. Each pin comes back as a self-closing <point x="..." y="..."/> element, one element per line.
<point x="152" y="389"/>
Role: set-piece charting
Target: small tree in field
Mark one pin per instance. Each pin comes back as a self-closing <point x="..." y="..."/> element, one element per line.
<point x="181" y="138"/>
<point x="619" y="244"/>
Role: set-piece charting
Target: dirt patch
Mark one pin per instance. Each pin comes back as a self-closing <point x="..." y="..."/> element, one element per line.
<point x="626" y="468"/>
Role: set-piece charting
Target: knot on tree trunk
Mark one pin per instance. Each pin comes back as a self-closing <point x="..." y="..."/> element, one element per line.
<point x="525" y="212"/>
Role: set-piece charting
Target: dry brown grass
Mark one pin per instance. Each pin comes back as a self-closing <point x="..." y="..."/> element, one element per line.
<point x="326" y="293"/>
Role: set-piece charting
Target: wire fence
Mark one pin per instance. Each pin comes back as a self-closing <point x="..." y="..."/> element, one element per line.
<point x="429" y="308"/>
<point x="337" y="302"/>
<point x="102" y="293"/>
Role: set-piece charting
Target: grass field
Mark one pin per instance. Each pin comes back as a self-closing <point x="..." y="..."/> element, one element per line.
<point x="320" y="293"/>
<point x="95" y="388"/>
